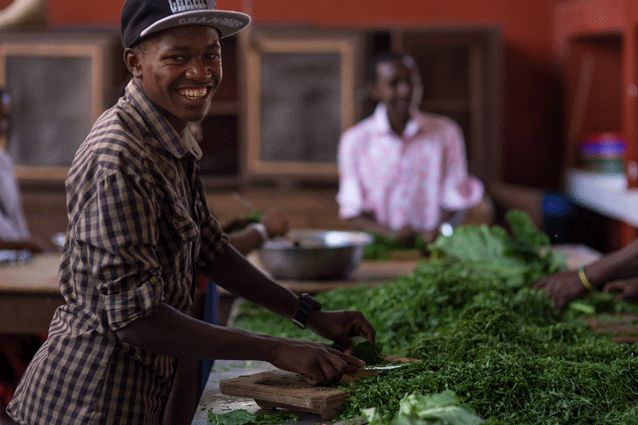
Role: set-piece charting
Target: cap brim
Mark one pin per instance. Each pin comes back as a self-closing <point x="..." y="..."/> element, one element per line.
<point x="225" y="21"/>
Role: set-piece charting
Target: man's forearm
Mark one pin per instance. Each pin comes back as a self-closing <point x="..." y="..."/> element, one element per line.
<point x="173" y="333"/>
<point x="251" y="284"/>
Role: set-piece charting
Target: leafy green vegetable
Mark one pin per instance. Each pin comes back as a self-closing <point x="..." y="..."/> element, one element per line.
<point x="437" y="409"/>
<point x="239" y="223"/>
<point x="382" y="247"/>
<point x="471" y="317"/>
<point x="366" y="351"/>
<point x="243" y="416"/>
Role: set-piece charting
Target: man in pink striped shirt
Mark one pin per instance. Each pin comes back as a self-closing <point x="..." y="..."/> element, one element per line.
<point x="403" y="172"/>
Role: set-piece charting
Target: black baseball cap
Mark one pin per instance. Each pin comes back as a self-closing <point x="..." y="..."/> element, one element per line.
<point x="141" y="18"/>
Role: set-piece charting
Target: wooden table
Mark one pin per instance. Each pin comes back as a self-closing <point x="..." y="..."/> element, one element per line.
<point x="29" y="294"/>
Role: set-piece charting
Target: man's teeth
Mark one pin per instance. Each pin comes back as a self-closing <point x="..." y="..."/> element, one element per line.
<point x="193" y="93"/>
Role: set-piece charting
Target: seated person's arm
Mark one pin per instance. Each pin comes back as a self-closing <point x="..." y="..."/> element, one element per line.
<point x="249" y="238"/>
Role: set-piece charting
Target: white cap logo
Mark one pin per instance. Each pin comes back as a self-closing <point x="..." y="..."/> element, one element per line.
<point x="178" y="6"/>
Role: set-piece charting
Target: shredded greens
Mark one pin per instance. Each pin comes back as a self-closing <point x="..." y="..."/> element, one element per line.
<point x="243" y="416"/>
<point x="469" y="314"/>
<point x="382" y="247"/>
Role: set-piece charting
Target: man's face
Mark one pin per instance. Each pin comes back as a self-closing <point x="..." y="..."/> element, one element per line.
<point x="394" y="87"/>
<point x="179" y="70"/>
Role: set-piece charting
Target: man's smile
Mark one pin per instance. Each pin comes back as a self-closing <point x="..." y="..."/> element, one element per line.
<point x="193" y="93"/>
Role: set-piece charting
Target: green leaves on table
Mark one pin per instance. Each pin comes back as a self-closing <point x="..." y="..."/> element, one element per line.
<point x="470" y="315"/>
<point x="243" y="416"/>
<point x="382" y="247"/>
<point x="436" y="409"/>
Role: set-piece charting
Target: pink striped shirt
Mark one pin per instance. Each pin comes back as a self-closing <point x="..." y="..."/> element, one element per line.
<point x="405" y="179"/>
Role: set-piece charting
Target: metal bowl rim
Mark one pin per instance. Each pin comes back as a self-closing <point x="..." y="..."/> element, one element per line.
<point x="360" y="239"/>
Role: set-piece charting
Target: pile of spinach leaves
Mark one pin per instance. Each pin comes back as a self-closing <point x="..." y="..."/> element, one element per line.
<point x="469" y="314"/>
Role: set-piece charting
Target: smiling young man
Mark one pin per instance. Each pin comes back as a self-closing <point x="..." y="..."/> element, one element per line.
<point x="403" y="172"/>
<point x="123" y="347"/>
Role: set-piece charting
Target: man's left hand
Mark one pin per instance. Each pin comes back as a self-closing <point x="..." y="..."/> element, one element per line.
<point x="340" y="325"/>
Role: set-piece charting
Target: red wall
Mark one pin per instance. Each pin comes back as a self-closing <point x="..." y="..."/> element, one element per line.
<point x="531" y="87"/>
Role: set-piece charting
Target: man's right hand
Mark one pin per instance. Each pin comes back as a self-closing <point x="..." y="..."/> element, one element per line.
<point x="320" y="364"/>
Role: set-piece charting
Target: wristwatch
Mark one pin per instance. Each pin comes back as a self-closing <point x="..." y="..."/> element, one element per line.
<point x="306" y="305"/>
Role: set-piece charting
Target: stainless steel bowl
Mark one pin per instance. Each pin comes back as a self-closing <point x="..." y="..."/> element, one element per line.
<point x="314" y="254"/>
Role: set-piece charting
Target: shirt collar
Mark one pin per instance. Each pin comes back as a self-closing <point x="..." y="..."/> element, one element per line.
<point x="162" y="130"/>
<point x="383" y="123"/>
<point x="192" y="144"/>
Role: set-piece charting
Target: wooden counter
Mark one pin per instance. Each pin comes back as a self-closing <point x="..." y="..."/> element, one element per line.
<point x="29" y="294"/>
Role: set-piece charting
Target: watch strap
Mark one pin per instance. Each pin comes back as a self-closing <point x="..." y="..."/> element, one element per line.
<point x="306" y="305"/>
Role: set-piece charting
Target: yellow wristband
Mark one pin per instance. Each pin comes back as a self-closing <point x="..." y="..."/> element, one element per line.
<point x="583" y="278"/>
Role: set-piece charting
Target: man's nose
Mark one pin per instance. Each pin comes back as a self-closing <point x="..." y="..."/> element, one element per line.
<point x="404" y="88"/>
<point x="197" y="70"/>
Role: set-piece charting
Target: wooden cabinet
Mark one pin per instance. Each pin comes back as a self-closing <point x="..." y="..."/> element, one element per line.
<point x="461" y="70"/>
<point x="460" y="66"/>
<point x="597" y="51"/>
<point x="60" y="82"/>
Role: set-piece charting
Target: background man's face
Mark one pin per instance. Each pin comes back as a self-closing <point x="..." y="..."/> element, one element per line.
<point x="394" y="86"/>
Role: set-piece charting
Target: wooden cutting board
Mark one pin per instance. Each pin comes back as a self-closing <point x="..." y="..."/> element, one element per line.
<point x="286" y="390"/>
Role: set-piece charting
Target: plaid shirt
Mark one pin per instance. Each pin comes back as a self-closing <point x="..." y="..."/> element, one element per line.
<point x="138" y="228"/>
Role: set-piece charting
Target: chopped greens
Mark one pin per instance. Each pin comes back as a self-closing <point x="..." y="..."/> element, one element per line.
<point x="382" y="247"/>
<point x="469" y="314"/>
<point x="243" y="416"/>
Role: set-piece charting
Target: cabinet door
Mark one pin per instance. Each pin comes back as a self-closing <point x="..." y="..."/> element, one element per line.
<point x="60" y="83"/>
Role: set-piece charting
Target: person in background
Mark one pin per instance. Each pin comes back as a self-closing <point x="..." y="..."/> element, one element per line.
<point x="16" y="350"/>
<point x="247" y="236"/>
<point x="14" y="232"/>
<point x="614" y="273"/>
<point x="124" y="348"/>
<point x="403" y="172"/>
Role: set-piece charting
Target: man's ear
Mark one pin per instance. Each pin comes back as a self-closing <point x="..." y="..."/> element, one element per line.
<point x="132" y="61"/>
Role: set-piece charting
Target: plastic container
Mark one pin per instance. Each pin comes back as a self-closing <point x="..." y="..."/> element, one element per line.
<point x="603" y="153"/>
